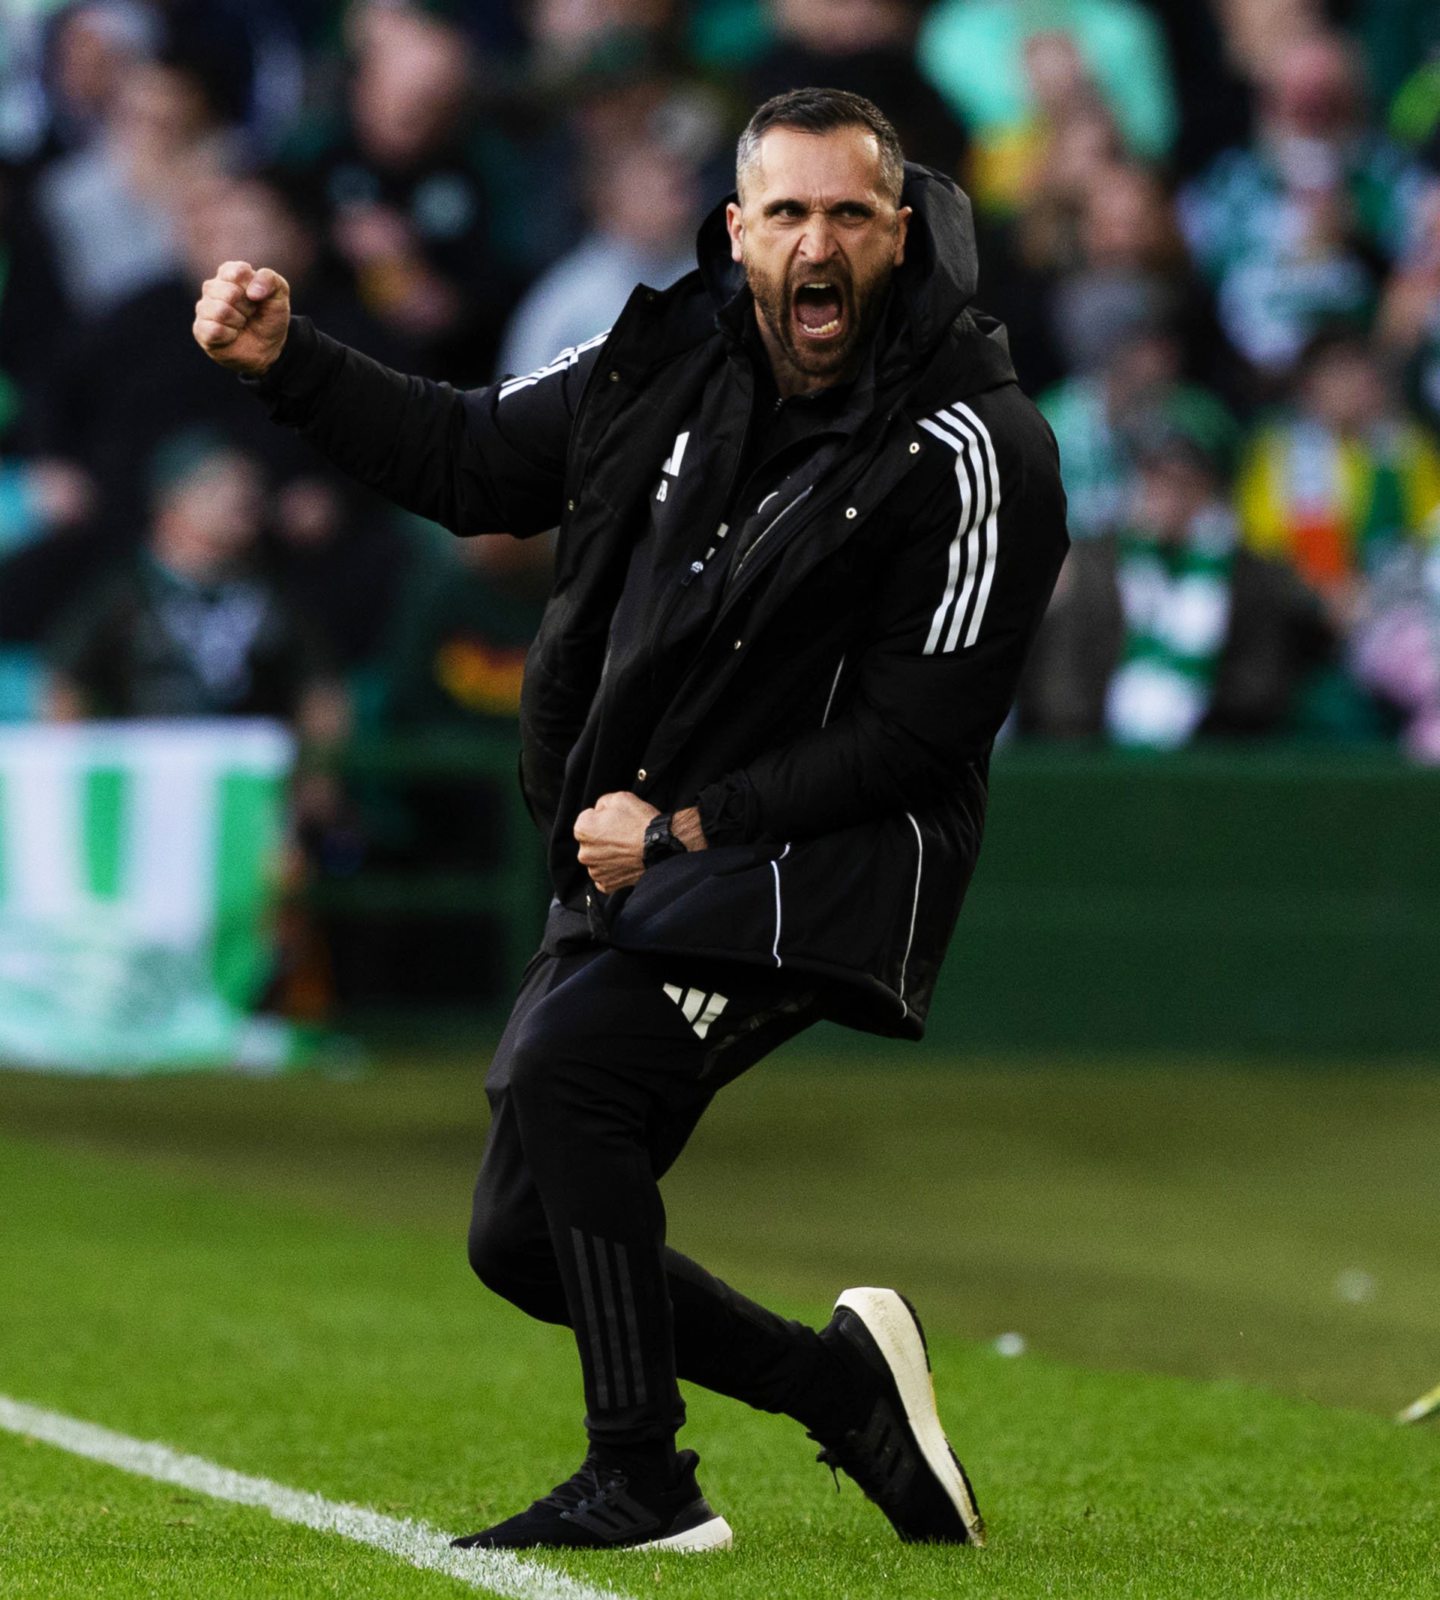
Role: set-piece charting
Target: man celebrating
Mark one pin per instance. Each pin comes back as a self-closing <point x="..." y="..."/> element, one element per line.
<point x="808" y="526"/>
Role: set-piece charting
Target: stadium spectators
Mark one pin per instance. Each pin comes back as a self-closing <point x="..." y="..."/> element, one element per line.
<point x="867" y="47"/>
<point x="1341" y="480"/>
<point x="1010" y="71"/>
<point x="38" y="497"/>
<point x="406" y="204"/>
<point x="62" y="84"/>
<point x="1345" y="489"/>
<point x="192" y="626"/>
<point x="1408" y="324"/>
<point x="108" y="207"/>
<point x="1299" y="227"/>
<point x="1099" y="412"/>
<point x="645" y="207"/>
<point x="1167" y="627"/>
<point x="1027" y="253"/>
<point x="576" y="106"/>
<point x="466" y="190"/>
<point x="1129" y="254"/>
<point x="1395" y="645"/>
<point x="1174" y="571"/>
<point x="1212" y="86"/>
<point x="121" y="383"/>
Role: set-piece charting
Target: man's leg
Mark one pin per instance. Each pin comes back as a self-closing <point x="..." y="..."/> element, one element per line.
<point x="597" y="1088"/>
<point x="721" y="1340"/>
<point x="594" y="1095"/>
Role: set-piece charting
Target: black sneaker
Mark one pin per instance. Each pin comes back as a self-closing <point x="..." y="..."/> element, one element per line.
<point x="891" y="1442"/>
<point x="598" y="1510"/>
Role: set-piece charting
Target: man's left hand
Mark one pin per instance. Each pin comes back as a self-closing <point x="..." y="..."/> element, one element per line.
<point x="611" y="836"/>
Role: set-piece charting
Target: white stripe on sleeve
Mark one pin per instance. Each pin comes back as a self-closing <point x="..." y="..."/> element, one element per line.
<point x="568" y="357"/>
<point x="992" y="523"/>
<point x="975" y="539"/>
<point x="963" y="529"/>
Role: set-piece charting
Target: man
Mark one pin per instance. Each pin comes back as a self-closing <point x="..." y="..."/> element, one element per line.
<point x="192" y="625"/>
<point x="642" y="200"/>
<point x="808" y="525"/>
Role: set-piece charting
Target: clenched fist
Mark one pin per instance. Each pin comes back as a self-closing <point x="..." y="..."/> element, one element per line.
<point x="611" y="836"/>
<point x="242" y="317"/>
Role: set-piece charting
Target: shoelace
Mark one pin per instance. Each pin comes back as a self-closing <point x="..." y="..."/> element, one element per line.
<point x="829" y="1456"/>
<point x="582" y="1486"/>
<point x="847" y="1454"/>
<point x="600" y="1497"/>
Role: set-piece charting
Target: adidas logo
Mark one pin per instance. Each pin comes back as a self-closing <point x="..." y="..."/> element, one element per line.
<point x="700" y="1009"/>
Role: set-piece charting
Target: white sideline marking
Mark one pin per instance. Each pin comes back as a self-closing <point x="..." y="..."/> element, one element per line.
<point x="421" y="1546"/>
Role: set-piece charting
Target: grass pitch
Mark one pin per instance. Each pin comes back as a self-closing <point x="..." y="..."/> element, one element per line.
<point x="1226" y="1281"/>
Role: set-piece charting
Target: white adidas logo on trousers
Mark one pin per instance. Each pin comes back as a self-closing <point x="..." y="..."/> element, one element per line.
<point x="700" y="1009"/>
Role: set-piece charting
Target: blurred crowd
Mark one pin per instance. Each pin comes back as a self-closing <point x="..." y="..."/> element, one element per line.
<point x="1212" y="227"/>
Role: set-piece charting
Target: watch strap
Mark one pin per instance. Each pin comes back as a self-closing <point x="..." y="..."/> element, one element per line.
<point x="660" y="840"/>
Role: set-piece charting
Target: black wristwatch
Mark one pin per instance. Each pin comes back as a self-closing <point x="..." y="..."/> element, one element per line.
<point x="660" y="841"/>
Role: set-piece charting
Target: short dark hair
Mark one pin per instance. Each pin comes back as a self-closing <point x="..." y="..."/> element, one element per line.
<point x="823" y="111"/>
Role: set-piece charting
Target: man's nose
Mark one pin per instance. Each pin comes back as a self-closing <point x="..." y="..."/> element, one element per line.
<point x="817" y="242"/>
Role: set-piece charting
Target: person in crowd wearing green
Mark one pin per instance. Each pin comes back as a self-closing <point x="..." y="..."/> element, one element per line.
<point x="1297" y="229"/>
<point x="1341" y="476"/>
<point x="1005" y="65"/>
<point x="1096" y="414"/>
<point x="1173" y="564"/>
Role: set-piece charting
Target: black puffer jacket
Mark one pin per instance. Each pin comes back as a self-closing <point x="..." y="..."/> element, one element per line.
<point x="824" y="672"/>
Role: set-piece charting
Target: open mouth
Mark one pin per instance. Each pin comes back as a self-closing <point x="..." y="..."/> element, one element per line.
<point x="819" y="310"/>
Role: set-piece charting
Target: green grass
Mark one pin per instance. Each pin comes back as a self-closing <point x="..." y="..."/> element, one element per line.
<point x="271" y="1274"/>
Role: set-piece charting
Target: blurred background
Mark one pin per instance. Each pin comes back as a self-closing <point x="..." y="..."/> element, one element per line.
<point x="258" y="736"/>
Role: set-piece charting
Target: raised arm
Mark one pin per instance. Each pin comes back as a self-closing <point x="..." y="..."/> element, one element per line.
<point x="488" y="460"/>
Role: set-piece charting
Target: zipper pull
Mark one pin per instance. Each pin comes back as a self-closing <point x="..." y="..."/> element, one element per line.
<point x="696" y="568"/>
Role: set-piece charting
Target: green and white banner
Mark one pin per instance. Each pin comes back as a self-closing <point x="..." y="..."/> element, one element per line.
<point x="139" y="868"/>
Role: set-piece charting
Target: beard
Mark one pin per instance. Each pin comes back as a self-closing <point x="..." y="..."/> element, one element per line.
<point x="859" y="303"/>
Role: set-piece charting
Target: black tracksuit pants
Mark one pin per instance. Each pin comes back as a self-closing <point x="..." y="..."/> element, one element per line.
<point x="603" y="1071"/>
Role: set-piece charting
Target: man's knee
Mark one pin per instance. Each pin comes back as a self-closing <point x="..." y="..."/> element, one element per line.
<point x="494" y="1256"/>
<point x="516" y="1263"/>
<point x="543" y="1057"/>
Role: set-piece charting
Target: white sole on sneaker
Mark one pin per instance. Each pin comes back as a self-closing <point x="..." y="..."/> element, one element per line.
<point x="892" y="1325"/>
<point x="712" y="1535"/>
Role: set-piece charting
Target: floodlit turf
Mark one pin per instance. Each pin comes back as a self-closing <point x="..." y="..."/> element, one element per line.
<point x="271" y="1275"/>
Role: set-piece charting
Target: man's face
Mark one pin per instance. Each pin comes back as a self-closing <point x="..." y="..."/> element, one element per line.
<point x="211" y="516"/>
<point x="819" y="239"/>
<point x="1346" y="390"/>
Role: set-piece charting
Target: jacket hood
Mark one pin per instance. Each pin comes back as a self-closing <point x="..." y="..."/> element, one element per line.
<point x="931" y="288"/>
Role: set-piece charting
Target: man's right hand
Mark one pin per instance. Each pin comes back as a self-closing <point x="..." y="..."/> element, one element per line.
<point x="242" y="317"/>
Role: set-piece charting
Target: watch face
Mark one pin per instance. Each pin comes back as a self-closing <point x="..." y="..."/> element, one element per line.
<point x="660" y="842"/>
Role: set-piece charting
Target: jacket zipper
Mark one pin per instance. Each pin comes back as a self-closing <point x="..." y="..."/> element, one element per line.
<point x="694" y="569"/>
<point x="764" y="532"/>
<point x="698" y="689"/>
<point x="734" y="585"/>
<point x="834" y="685"/>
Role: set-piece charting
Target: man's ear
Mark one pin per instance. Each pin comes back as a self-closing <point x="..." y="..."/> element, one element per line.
<point x="902" y="217"/>
<point x="736" y="229"/>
